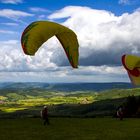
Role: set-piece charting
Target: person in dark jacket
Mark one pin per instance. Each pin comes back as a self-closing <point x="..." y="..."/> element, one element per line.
<point x="120" y="113"/>
<point x="44" y="115"/>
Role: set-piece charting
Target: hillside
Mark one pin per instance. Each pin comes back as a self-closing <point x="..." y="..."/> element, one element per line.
<point x="29" y="101"/>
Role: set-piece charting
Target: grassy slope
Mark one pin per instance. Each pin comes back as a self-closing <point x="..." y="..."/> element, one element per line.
<point x="70" y="129"/>
<point x="118" y="93"/>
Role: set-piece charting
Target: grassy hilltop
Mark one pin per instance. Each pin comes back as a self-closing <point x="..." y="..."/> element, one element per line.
<point x="25" y="105"/>
<point x="70" y="129"/>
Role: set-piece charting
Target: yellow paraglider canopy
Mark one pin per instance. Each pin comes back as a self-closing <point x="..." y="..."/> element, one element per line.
<point x="132" y="64"/>
<point x="39" y="32"/>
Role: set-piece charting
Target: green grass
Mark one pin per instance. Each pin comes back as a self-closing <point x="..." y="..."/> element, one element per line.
<point x="70" y="129"/>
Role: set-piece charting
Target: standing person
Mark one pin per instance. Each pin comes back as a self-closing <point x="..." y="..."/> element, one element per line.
<point x="44" y="115"/>
<point x="120" y="113"/>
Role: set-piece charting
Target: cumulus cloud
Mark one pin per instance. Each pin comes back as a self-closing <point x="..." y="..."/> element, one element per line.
<point x="13" y="59"/>
<point x="11" y="1"/>
<point x="10" y="56"/>
<point x="103" y="37"/>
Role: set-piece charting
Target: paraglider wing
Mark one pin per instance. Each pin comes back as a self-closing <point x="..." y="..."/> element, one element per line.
<point x="132" y="64"/>
<point x="39" y="32"/>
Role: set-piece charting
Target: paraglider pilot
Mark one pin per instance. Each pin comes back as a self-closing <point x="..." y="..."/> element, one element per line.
<point x="44" y="115"/>
<point x="120" y="113"/>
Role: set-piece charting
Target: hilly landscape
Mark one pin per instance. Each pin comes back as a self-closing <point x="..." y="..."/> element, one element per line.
<point x="72" y="100"/>
<point x="68" y="87"/>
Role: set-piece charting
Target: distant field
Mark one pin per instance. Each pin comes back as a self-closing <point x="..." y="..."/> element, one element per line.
<point x="21" y="100"/>
<point x="84" y="103"/>
<point x="70" y="129"/>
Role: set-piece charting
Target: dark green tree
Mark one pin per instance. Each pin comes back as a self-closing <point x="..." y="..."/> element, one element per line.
<point x="131" y="106"/>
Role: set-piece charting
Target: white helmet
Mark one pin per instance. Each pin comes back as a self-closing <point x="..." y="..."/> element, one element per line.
<point x="45" y="106"/>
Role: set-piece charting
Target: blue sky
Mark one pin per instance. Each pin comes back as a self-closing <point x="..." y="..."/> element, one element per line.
<point x="106" y="30"/>
<point x="116" y="6"/>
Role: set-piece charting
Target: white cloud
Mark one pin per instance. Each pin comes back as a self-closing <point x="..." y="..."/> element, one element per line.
<point x="129" y="2"/>
<point x="9" y="43"/>
<point x="13" y="14"/>
<point x="9" y="24"/>
<point x="42" y="17"/>
<point x="11" y="1"/>
<point x="38" y="9"/>
<point x="16" y="66"/>
<point x="97" y="70"/>
<point x="66" y="74"/>
<point x="103" y="39"/>
<point x="7" y="32"/>
<point x="124" y="1"/>
<point x="12" y="58"/>
<point x="41" y="13"/>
